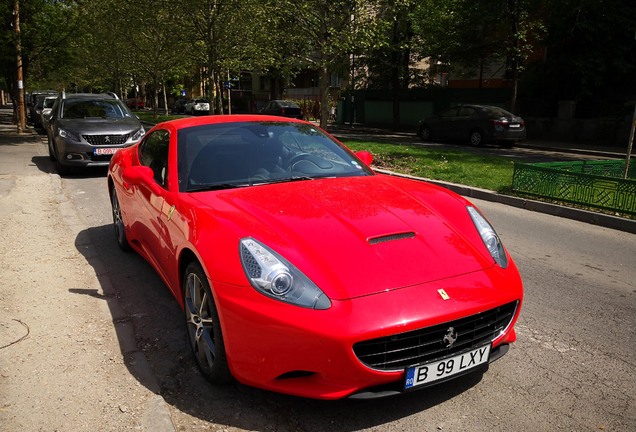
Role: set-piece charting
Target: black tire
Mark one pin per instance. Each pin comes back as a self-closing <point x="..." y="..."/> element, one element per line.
<point x="62" y="170"/>
<point x="51" y="152"/>
<point x="425" y="133"/>
<point x="476" y="138"/>
<point x="203" y="326"/>
<point x="118" y="222"/>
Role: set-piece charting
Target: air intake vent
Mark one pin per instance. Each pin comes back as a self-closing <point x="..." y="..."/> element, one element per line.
<point x="392" y="237"/>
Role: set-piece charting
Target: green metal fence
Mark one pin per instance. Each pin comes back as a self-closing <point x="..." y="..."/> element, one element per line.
<point x="597" y="184"/>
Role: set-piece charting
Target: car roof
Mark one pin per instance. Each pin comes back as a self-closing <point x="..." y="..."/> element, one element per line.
<point x="111" y="96"/>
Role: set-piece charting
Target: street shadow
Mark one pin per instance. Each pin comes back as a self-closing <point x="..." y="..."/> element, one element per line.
<point x="149" y="321"/>
<point x="44" y="164"/>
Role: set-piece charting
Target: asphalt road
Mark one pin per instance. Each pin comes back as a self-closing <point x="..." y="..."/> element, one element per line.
<point x="573" y="367"/>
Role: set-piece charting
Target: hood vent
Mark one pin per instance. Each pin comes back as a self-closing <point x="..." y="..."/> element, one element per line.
<point x="391" y="237"/>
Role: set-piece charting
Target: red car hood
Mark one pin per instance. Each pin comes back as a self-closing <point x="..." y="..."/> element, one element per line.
<point x="358" y="236"/>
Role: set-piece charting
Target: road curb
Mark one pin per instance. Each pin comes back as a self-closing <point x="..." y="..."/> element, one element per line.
<point x="600" y="219"/>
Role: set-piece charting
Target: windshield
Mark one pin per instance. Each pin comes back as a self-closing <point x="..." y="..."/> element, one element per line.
<point x="227" y="155"/>
<point x="91" y="108"/>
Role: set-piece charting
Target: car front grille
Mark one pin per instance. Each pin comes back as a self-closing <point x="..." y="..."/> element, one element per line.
<point x="106" y="140"/>
<point x="419" y="346"/>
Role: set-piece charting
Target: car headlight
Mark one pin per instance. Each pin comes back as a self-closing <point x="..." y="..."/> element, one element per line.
<point x="489" y="237"/>
<point x="274" y="276"/>
<point x="66" y="134"/>
<point x="139" y="134"/>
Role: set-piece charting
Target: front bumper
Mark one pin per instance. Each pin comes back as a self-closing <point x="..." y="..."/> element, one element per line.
<point x="77" y="154"/>
<point x="309" y="353"/>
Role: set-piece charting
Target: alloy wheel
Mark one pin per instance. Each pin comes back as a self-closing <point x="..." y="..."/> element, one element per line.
<point x="203" y="327"/>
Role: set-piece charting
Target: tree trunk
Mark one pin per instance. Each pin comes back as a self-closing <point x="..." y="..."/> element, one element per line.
<point x="155" y="97"/>
<point x="324" y="95"/>
<point x="165" y="99"/>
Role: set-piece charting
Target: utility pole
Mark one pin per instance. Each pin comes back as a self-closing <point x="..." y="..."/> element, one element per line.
<point x="18" y="49"/>
<point x="630" y="144"/>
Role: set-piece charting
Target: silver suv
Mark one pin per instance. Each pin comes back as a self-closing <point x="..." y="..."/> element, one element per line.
<point x="86" y="129"/>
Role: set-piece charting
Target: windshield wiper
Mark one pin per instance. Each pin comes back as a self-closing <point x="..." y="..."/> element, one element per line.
<point x="281" y="180"/>
<point x="216" y="186"/>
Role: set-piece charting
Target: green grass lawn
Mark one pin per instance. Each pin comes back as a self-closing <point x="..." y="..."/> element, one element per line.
<point x="485" y="172"/>
<point x="149" y="116"/>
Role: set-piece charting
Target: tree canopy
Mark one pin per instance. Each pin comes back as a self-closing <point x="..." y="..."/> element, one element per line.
<point x="582" y="50"/>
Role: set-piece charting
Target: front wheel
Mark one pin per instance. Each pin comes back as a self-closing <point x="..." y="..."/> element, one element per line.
<point x="203" y="326"/>
<point x="62" y="170"/>
<point x="476" y="138"/>
<point x="51" y="152"/>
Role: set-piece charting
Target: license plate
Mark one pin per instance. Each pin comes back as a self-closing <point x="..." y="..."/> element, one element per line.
<point x="105" y="150"/>
<point x="514" y="126"/>
<point x="441" y="369"/>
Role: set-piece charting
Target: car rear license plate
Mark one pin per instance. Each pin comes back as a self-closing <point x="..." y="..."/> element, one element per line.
<point x="447" y="367"/>
<point x="105" y="150"/>
<point x="514" y="125"/>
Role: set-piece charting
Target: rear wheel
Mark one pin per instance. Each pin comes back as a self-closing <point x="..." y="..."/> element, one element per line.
<point x="425" y="133"/>
<point x="203" y="326"/>
<point x="476" y="138"/>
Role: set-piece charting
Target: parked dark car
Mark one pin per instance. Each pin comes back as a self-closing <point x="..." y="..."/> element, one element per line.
<point x="179" y="106"/>
<point x="284" y="108"/>
<point x="47" y="106"/>
<point x="86" y="129"/>
<point x="31" y="102"/>
<point x="39" y="107"/>
<point x="476" y="124"/>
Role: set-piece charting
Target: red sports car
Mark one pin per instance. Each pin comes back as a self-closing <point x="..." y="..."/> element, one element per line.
<point x="301" y="270"/>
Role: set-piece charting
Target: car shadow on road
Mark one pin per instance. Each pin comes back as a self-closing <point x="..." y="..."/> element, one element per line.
<point x="151" y="332"/>
<point x="44" y="164"/>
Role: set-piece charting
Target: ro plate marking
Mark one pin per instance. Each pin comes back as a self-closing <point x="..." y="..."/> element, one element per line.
<point x="437" y="370"/>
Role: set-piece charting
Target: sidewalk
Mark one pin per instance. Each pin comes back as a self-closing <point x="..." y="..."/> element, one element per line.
<point x="9" y="131"/>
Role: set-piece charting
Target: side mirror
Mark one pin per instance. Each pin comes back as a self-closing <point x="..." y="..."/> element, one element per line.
<point x="365" y="157"/>
<point x="141" y="175"/>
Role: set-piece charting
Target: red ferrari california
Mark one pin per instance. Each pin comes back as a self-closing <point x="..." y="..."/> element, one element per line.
<point x="301" y="270"/>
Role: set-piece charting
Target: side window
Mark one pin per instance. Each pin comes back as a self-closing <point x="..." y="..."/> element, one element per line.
<point x="153" y="153"/>
<point x="55" y="108"/>
<point x="449" y="113"/>
<point x="465" y="112"/>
